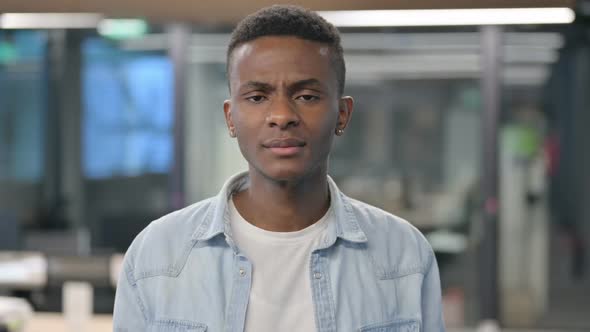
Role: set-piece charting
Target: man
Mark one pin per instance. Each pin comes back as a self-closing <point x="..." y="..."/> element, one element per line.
<point x="281" y="248"/>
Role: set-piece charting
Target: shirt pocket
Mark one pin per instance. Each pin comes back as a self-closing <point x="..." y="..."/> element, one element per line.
<point x="398" y="325"/>
<point x="176" y="325"/>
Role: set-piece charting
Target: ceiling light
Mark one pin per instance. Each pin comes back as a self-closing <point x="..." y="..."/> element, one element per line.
<point x="449" y="17"/>
<point x="122" y="28"/>
<point x="49" y="20"/>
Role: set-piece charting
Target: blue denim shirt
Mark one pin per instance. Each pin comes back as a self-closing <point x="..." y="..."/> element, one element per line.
<point x="375" y="272"/>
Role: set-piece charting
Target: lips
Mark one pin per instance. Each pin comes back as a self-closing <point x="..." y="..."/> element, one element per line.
<point x="285" y="147"/>
<point x="284" y="143"/>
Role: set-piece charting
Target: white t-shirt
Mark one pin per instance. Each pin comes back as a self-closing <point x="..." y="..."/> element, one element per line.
<point x="280" y="297"/>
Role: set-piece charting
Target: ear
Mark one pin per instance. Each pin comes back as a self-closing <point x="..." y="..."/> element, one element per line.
<point x="228" y="115"/>
<point x="345" y="108"/>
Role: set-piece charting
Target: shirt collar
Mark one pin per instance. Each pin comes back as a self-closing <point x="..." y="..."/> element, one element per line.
<point x="216" y="220"/>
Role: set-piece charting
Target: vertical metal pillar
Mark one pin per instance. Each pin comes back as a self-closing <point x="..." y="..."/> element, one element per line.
<point x="54" y="68"/>
<point x="488" y="254"/>
<point x="63" y="186"/>
<point x="70" y="124"/>
<point x="179" y="39"/>
<point x="70" y="117"/>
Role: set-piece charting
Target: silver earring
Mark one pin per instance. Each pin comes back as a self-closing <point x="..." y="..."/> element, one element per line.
<point x="339" y="131"/>
<point x="232" y="132"/>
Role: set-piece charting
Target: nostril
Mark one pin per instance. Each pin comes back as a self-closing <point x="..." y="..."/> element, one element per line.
<point x="282" y="119"/>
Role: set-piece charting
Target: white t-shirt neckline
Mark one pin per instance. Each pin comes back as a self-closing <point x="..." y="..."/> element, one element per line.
<point x="272" y="237"/>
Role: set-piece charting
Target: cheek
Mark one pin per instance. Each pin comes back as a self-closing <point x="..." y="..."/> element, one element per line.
<point x="329" y="122"/>
<point x="245" y="125"/>
<point x="325" y="128"/>
<point x="243" y="131"/>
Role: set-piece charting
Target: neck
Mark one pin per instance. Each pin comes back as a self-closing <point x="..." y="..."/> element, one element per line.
<point x="284" y="206"/>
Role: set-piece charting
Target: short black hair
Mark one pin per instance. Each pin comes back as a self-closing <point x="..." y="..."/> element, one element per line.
<point x="289" y="20"/>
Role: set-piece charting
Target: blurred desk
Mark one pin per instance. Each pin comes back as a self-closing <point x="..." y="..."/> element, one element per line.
<point x="54" y="322"/>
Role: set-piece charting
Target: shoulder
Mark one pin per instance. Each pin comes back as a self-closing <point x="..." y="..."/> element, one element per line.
<point x="162" y="247"/>
<point x="394" y="244"/>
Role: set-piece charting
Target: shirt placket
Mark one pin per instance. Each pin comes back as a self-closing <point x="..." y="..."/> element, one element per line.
<point x="322" y="292"/>
<point x="240" y="295"/>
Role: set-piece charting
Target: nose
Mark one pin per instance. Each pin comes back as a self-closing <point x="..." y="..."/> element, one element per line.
<point x="282" y="114"/>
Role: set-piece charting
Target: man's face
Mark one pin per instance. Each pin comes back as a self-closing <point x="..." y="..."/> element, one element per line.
<point x="284" y="105"/>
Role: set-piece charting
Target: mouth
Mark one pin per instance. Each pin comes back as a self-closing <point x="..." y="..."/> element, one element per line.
<point x="284" y="146"/>
<point x="284" y="143"/>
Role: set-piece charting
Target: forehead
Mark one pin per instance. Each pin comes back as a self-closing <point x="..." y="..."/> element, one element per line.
<point x="275" y="57"/>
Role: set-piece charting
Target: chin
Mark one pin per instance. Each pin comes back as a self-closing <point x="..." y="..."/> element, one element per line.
<point x="282" y="172"/>
<point x="286" y="169"/>
<point x="285" y="175"/>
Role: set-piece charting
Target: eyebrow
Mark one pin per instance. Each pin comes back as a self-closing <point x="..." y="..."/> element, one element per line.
<point x="255" y="85"/>
<point x="266" y="87"/>
<point x="299" y="85"/>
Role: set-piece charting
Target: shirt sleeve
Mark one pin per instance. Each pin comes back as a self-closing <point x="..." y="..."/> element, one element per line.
<point x="129" y="313"/>
<point x="432" y="318"/>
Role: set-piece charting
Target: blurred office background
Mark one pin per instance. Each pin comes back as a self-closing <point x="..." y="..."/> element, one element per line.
<point x="476" y="132"/>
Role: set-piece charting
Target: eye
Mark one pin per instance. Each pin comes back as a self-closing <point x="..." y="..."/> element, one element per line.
<point x="256" y="99"/>
<point x="308" y="97"/>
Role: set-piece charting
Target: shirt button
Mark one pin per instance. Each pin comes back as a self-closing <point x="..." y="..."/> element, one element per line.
<point x="242" y="272"/>
<point x="317" y="275"/>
